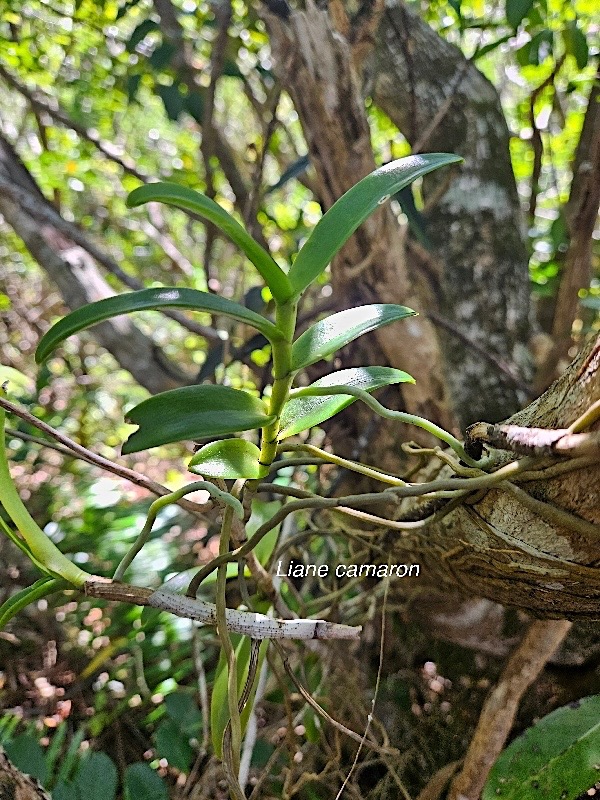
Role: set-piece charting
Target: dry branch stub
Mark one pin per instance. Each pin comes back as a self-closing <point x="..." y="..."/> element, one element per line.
<point x="533" y="543"/>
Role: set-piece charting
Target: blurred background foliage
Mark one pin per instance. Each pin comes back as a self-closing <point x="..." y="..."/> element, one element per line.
<point x="95" y="97"/>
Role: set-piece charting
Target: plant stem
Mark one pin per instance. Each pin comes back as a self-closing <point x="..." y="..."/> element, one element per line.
<point x="388" y="413"/>
<point x="282" y="380"/>
<point x="157" y="505"/>
<point x="228" y="650"/>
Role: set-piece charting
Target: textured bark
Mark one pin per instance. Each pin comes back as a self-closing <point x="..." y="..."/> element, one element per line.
<point x="14" y="785"/>
<point x="582" y="216"/>
<point x="501" y="548"/>
<point x="440" y="101"/>
<point x="79" y="281"/>
<point x="315" y="65"/>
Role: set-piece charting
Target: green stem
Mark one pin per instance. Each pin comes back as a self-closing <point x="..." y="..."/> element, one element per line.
<point x="388" y="413"/>
<point x="282" y="380"/>
<point x="331" y="458"/>
<point x="42" y="548"/>
<point x="226" y="644"/>
<point x="223" y="497"/>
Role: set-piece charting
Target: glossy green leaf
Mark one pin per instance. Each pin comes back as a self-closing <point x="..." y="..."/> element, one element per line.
<point x="41" y="588"/>
<point x="337" y="225"/>
<point x="557" y="758"/>
<point x="144" y="783"/>
<point x="182" y="197"/>
<point x="516" y="10"/>
<point x="230" y="458"/>
<point x="302" y="413"/>
<point x="149" y="299"/>
<point x="193" y="412"/>
<point x="334" y="332"/>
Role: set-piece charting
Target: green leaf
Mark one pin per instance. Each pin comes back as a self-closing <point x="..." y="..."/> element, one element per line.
<point x="41" y="588"/>
<point x="182" y="197"/>
<point x="556" y="758"/>
<point x="334" y="332"/>
<point x="576" y="44"/>
<point x="140" y="33"/>
<point x="149" y="299"/>
<point x="230" y="458"/>
<point x="337" y="225"/>
<point x="96" y="777"/>
<point x="516" y="10"/>
<point x="182" y="708"/>
<point x="65" y="791"/>
<point x="173" y="99"/>
<point x="302" y="413"/>
<point x="27" y="755"/>
<point x="174" y="745"/>
<point x="193" y="412"/>
<point x="17" y="381"/>
<point x="143" y="783"/>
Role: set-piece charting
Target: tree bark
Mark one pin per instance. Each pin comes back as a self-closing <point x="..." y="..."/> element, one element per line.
<point x="440" y="101"/>
<point x="315" y="65"/>
<point x="518" y="548"/>
<point x="79" y="281"/>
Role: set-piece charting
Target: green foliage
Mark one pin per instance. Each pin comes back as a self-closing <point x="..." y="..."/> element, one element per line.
<point x="142" y="783"/>
<point x="302" y="413"/>
<point x="20" y="600"/>
<point x="154" y="299"/>
<point x="346" y="214"/>
<point x="555" y="759"/>
<point x="332" y="333"/>
<point x="193" y="412"/>
<point x="230" y="458"/>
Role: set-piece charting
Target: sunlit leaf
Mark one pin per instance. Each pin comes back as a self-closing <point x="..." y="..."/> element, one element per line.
<point x="336" y="331"/>
<point x="182" y="197"/>
<point x="230" y="458"/>
<point x="557" y="758"/>
<point x="17" y="381"/>
<point x="302" y="413"/>
<point x="346" y="214"/>
<point x="516" y="10"/>
<point x="193" y="412"/>
<point x="144" y="300"/>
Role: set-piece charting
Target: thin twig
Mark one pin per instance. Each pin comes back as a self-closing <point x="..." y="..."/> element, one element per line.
<point x="84" y="454"/>
<point x="498" y="714"/>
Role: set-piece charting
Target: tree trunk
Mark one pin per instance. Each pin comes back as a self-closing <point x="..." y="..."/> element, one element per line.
<point x="314" y="63"/>
<point x="440" y="101"/>
<point x="75" y="274"/>
<point x="520" y="548"/>
<point x="474" y="280"/>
